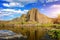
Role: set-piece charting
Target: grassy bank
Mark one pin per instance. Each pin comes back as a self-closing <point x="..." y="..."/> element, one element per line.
<point x="33" y="33"/>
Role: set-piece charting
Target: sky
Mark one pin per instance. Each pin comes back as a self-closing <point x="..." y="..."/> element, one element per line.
<point x="10" y="9"/>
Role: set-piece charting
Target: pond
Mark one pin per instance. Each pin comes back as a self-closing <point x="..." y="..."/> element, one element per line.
<point x="6" y="33"/>
<point x="10" y="35"/>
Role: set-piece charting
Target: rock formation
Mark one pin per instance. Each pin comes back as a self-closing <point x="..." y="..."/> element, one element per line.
<point x="57" y="20"/>
<point x="35" y="15"/>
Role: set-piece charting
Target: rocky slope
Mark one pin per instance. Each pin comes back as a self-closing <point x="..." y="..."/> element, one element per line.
<point x="34" y="16"/>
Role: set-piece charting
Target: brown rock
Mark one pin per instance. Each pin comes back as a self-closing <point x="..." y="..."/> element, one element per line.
<point x="57" y="20"/>
<point x="35" y="15"/>
<point x="31" y="15"/>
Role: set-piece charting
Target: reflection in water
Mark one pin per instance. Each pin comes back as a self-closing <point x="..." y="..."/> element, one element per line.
<point x="9" y="35"/>
<point x="6" y="33"/>
<point x="34" y="35"/>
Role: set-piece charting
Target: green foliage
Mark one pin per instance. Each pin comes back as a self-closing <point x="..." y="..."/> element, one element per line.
<point x="54" y="34"/>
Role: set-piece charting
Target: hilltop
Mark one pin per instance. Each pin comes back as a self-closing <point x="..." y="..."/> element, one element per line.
<point x="33" y="16"/>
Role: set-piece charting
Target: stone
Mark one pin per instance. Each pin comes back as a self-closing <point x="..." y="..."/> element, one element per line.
<point x="35" y="15"/>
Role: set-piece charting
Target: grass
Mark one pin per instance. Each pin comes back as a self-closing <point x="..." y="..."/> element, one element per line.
<point x="33" y="33"/>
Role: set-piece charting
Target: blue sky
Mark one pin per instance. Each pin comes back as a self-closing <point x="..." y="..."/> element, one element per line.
<point x="10" y="9"/>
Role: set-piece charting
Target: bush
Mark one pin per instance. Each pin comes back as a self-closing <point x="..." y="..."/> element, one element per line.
<point x="55" y="34"/>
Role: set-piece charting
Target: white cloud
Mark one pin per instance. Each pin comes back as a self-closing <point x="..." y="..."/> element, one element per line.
<point x="13" y="4"/>
<point x="18" y="3"/>
<point x="7" y="12"/>
<point x="55" y="6"/>
<point x="47" y="1"/>
<point x="5" y="4"/>
<point x="26" y="1"/>
<point x="53" y="11"/>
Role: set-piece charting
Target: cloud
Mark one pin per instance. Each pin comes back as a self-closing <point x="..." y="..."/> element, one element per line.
<point x="7" y="12"/>
<point x="54" y="14"/>
<point x="22" y="3"/>
<point x="5" y="4"/>
<point x="13" y="4"/>
<point x="18" y="3"/>
<point x="53" y="11"/>
<point x="47" y="1"/>
<point x="55" y="6"/>
<point x="25" y="1"/>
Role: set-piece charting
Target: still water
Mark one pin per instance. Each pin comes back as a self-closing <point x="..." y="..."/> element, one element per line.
<point x="9" y="35"/>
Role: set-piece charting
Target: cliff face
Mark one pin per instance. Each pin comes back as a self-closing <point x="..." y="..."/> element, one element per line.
<point x="31" y="15"/>
<point x="35" y="15"/>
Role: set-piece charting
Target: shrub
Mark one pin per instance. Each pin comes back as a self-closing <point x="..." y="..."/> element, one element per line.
<point x="55" y="34"/>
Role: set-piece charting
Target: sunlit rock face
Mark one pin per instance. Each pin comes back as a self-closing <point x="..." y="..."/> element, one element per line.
<point x="35" y="15"/>
<point x="31" y="15"/>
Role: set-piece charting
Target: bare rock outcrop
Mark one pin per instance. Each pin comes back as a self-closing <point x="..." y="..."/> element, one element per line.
<point x="35" y="15"/>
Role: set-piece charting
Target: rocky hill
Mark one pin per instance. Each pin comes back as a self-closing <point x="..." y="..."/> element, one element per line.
<point x="34" y="16"/>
